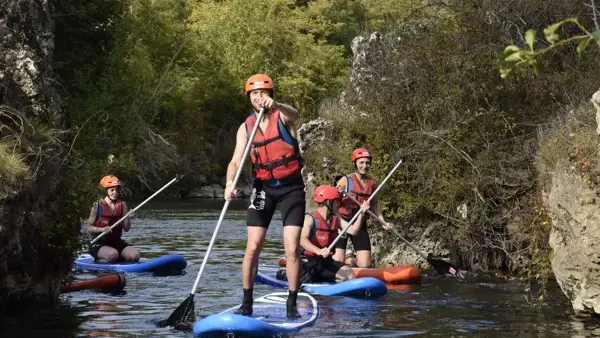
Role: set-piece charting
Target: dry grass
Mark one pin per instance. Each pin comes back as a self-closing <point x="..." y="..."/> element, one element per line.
<point x="13" y="171"/>
<point x="25" y="146"/>
<point x="574" y="133"/>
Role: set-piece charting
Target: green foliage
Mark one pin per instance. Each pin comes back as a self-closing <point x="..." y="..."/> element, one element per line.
<point x="135" y="91"/>
<point x="159" y="85"/>
<point x="515" y="57"/>
<point x="431" y="93"/>
<point x="279" y="38"/>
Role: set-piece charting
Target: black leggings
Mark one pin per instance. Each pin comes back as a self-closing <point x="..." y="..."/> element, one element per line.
<point x="360" y="241"/>
<point x="119" y="246"/>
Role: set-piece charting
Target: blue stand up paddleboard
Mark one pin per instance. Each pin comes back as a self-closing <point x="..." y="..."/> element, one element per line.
<point x="269" y="318"/>
<point x="358" y="287"/>
<point x="163" y="264"/>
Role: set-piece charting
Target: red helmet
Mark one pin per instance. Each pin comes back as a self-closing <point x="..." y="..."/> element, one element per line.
<point x="258" y="81"/>
<point x="359" y="153"/>
<point x="110" y="181"/>
<point x="326" y="192"/>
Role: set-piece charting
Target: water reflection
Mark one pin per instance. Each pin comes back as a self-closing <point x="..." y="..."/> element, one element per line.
<point x="62" y="322"/>
<point x="585" y="328"/>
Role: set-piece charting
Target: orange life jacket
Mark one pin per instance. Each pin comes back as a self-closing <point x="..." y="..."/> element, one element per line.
<point x="107" y="217"/>
<point x="274" y="153"/>
<point x="361" y="194"/>
<point x="322" y="234"/>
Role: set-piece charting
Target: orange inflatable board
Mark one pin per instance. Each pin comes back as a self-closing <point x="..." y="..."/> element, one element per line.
<point x="114" y="281"/>
<point x="401" y="274"/>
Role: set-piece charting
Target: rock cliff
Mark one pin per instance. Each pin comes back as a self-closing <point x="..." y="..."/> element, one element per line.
<point x="575" y="236"/>
<point x="33" y="152"/>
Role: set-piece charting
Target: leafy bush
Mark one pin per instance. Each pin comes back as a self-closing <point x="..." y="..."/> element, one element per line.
<point x="162" y="81"/>
<point x="433" y="94"/>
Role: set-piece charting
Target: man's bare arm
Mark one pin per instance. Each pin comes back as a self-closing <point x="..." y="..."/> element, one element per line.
<point x="236" y="159"/>
<point x="288" y="113"/>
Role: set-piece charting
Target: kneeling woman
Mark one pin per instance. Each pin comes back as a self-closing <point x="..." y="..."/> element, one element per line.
<point x="106" y="212"/>
<point x="320" y="230"/>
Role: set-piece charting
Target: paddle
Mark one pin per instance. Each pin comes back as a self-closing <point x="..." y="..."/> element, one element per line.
<point x="177" y="178"/>
<point x="360" y="211"/>
<point x="442" y="267"/>
<point x="185" y="311"/>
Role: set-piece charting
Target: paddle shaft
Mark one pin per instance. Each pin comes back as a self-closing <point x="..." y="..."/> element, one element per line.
<point x="226" y="205"/>
<point x="177" y="178"/>
<point x="382" y="222"/>
<point x="360" y="211"/>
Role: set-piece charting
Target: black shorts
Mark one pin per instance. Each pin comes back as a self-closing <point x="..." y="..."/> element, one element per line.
<point x="119" y="246"/>
<point x="264" y="199"/>
<point x="322" y="270"/>
<point x="315" y="270"/>
<point x="360" y="241"/>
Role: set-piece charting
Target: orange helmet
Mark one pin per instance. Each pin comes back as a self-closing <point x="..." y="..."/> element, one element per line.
<point x="110" y="181"/>
<point x="259" y="81"/>
<point x="326" y="192"/>
<point x="359" y="153"/>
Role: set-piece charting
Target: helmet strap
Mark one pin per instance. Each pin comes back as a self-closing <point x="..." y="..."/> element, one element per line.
<point x="329" y="206"/>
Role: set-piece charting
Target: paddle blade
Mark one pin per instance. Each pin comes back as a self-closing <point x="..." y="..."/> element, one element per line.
<point x="183" y="313"/>
<point x="443" y="267"/>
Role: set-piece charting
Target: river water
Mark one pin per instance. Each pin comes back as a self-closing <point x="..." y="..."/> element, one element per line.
<point x="479" y="306"/>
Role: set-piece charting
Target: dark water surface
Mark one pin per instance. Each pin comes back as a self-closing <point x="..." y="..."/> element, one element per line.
<point x="480" y="306"/>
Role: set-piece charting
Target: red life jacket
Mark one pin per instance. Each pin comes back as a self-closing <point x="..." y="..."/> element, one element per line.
<point x="107" y="217"/>
<point x="322" y="234"/>
<point x="274" y="153"/>
<point x="353" y="188"/>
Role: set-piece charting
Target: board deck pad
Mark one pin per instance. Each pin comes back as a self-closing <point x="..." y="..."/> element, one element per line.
<point x="269" y="318"/>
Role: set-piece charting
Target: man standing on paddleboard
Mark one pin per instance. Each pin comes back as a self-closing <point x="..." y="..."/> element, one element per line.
<point x="276" y="165"/>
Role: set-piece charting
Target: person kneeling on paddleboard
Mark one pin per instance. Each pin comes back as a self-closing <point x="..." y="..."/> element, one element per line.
<point x="320" y="230"/>
<point x="106" y="212"/>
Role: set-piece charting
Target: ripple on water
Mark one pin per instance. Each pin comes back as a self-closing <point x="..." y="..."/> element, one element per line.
<point x="441" y="306"/>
